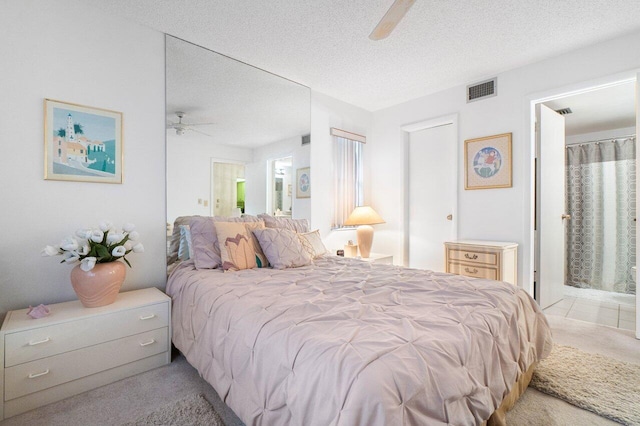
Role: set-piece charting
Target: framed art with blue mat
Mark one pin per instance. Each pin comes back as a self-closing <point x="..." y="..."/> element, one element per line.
<point x="488" y="162"/>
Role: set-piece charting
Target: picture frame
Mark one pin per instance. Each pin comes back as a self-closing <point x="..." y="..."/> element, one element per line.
<point x="303" y="182"/>
<point x="488" y="162"/>
<point x="82" y="143"/>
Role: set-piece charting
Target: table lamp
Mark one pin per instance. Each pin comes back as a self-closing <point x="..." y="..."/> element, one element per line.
<point x="364" y="217"/>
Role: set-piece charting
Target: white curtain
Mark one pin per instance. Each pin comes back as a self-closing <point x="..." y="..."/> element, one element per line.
<point x="348" y="190"/>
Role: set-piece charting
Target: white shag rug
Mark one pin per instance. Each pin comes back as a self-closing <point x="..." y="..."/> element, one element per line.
<point x="605" y="386"/>
<point x="193" y="410"/>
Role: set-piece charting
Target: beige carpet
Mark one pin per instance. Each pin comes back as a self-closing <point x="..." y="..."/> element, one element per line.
<point x="193" y="410"/>
<point x="597" y="383"/>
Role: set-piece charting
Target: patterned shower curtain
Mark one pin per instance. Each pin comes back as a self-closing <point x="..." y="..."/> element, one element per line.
<point x="601" y="199"/>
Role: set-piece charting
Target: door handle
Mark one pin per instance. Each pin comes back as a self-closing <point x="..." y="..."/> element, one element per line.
<point x="566" y="216"/>
<point x="449" y="217"/>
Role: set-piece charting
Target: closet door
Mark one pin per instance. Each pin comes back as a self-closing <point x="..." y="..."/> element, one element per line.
<point x="432" y="195"/>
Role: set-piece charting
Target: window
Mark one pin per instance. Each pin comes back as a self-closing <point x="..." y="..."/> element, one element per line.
<point x="348" y="174"/>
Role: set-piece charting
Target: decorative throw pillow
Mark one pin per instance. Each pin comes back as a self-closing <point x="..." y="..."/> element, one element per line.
<point x="174" y="242"/>
<point x="204" y="241"/>
<point x="184" y="250"/>
<point x="312" y="243"/>
<point x="239" y="248"/>
<point x="282" y="248"/>
<point x="295" y="225"/>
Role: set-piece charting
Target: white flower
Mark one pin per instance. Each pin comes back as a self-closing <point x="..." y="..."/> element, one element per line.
<point x="88" y="263"/>
<point x="84" y="250"/>
<point x="128" y="245"/>
<point x="128" y="227"/>
<point x="69" y="244"/>
<point x="97" y="236"/>
<point x="105" y="226"/>
<point x="134" y="236"/>
<point x="114" y="238"/>
<point x="85" y="234"/>
<point x="138" y="248"/>
<point x="71" y="256"/>
<point x="50" y="251"/>
<point x="119" y="251"/>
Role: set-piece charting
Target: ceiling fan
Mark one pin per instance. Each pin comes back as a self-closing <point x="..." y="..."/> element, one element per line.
<point x="181" y="127"/>
<point x="390" y="19"/>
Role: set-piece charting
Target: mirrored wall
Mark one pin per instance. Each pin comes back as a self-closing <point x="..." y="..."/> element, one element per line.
<point x="234" y="136"/>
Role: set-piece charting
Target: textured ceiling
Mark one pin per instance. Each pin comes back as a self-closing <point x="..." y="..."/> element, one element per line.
<point x="609" y="108"/>
<point x="324" y="44"/>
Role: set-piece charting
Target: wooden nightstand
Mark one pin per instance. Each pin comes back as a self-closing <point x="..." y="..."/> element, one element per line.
<point x="483" y="259"/>
<point x="379" y="258"/>
<point x="75" y="349"/>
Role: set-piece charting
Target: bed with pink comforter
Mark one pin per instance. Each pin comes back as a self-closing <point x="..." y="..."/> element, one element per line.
<point x="346" y="342"/>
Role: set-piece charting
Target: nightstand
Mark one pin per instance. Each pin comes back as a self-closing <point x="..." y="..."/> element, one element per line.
<point x="75" y="349"/>
<point x="385" y="259"/>
<point x="494" y="260"/>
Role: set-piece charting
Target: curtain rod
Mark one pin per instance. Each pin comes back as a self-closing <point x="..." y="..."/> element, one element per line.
<point x="348" y="135"/>
<point x="600" y="140"/>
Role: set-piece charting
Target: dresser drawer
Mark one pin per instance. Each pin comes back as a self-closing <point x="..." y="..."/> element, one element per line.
<point x="38" y="343"/>
<point x="470" y="256"/>
<point x="475" y="271"/>
<point x="37" y="375"/>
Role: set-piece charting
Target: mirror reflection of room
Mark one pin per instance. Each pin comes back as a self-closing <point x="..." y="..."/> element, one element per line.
<point x="282" y="187"/>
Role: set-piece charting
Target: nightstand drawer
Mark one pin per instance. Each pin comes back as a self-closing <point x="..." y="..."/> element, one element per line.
<point x="473" y="257"/>
<point x="30" y="345"/>
<point x="475" y="271"/>
<point x="45" y="373"/>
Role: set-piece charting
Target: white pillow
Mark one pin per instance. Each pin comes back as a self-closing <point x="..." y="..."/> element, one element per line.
<point x="312" y="242"/>
<point x="282" y="248"/>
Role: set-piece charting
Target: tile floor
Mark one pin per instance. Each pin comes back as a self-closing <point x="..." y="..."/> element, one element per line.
<point x="619" y="315"/>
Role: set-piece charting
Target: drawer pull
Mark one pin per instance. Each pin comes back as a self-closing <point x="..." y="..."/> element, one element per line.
<point x="150" y="342"/>
<point x="34" y="375"/>
<point x="37" y="342"/>
<point x="474" y="257"/>
<point x="147" y="317"/>
<point x="471" y="271"/>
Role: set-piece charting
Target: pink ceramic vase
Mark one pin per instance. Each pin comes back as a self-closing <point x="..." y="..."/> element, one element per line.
<point x="99" y="286"/>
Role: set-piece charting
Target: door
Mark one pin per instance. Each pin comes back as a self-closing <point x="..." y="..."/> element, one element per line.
<point x="550" y="206"/>
<point x="225" y="178"/>
<point x="637" y="204"/>
<point x="432" y="195"/>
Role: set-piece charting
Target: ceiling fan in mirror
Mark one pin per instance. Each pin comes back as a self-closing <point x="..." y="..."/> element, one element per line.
<point x="390" y="19"/>
<point x="181" y="128"/>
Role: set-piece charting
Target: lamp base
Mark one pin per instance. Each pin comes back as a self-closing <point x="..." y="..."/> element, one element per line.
<point x="365" y="240"/>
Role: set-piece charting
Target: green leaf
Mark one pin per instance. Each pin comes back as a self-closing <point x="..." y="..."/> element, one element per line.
<point x="127" y="262"/>
<point x="102" y="251"/>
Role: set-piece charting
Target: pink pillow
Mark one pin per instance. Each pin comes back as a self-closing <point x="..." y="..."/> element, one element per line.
<point x="204" y="241"/>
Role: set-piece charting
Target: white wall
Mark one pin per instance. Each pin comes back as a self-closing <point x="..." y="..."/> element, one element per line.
<point x="189" y="172"/>
<point x="256" y="186"/>
<point x="327" y="112"/>
<point x="116" y="65"/>
<point x="494" y="214"/>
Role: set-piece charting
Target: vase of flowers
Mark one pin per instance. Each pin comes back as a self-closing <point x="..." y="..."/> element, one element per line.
<point x="98" y="274"/>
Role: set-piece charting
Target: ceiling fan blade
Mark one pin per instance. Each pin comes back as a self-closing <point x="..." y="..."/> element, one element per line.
<point x="200" y="124"/>
<point x="390" y="19"/>
<point x="202" y="133"/>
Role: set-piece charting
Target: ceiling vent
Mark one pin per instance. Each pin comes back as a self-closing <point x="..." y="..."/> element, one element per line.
<point x="564" y="111"/>
<point x="306" y="139"/>
<point x="482" y="90"/>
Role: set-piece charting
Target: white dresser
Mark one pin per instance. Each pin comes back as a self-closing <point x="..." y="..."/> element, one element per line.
<point x="493" y="260"/>
<point x="75" y="349"/>
<point x="386" y="259"/>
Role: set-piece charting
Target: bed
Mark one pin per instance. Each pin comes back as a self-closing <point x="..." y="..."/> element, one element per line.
<point x="347" y="342"/>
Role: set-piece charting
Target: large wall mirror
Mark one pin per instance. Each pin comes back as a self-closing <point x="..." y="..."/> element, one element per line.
<point x="235" y="136"/>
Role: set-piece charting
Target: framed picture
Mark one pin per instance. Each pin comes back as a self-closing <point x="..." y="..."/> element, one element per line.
<point x="81" y="143"/>
<point x="487" y="162"/>
<point x="303" y="185"/>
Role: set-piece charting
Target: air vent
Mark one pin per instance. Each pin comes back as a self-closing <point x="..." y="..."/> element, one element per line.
<point x="306" y="139"/>
<point x="564" y="111"/>
<point x="484" y="89"/>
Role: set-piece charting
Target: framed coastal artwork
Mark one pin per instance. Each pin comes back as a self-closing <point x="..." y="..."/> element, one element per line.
<point x="82" y="143"/>
<point x="487" y="162"/>
<point x="303" y="183"/>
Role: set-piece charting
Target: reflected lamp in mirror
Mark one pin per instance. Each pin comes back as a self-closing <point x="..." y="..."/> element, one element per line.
<point x="363" y="217"/>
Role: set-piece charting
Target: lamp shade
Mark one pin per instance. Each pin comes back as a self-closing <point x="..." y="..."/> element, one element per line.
<point x="363" y="215"/>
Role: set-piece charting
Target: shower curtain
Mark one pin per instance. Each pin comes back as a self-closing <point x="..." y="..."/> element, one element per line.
<point x="601" y="199"/>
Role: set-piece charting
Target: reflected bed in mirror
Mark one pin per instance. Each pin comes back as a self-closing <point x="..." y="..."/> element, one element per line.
<point x="234" y="133"/>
